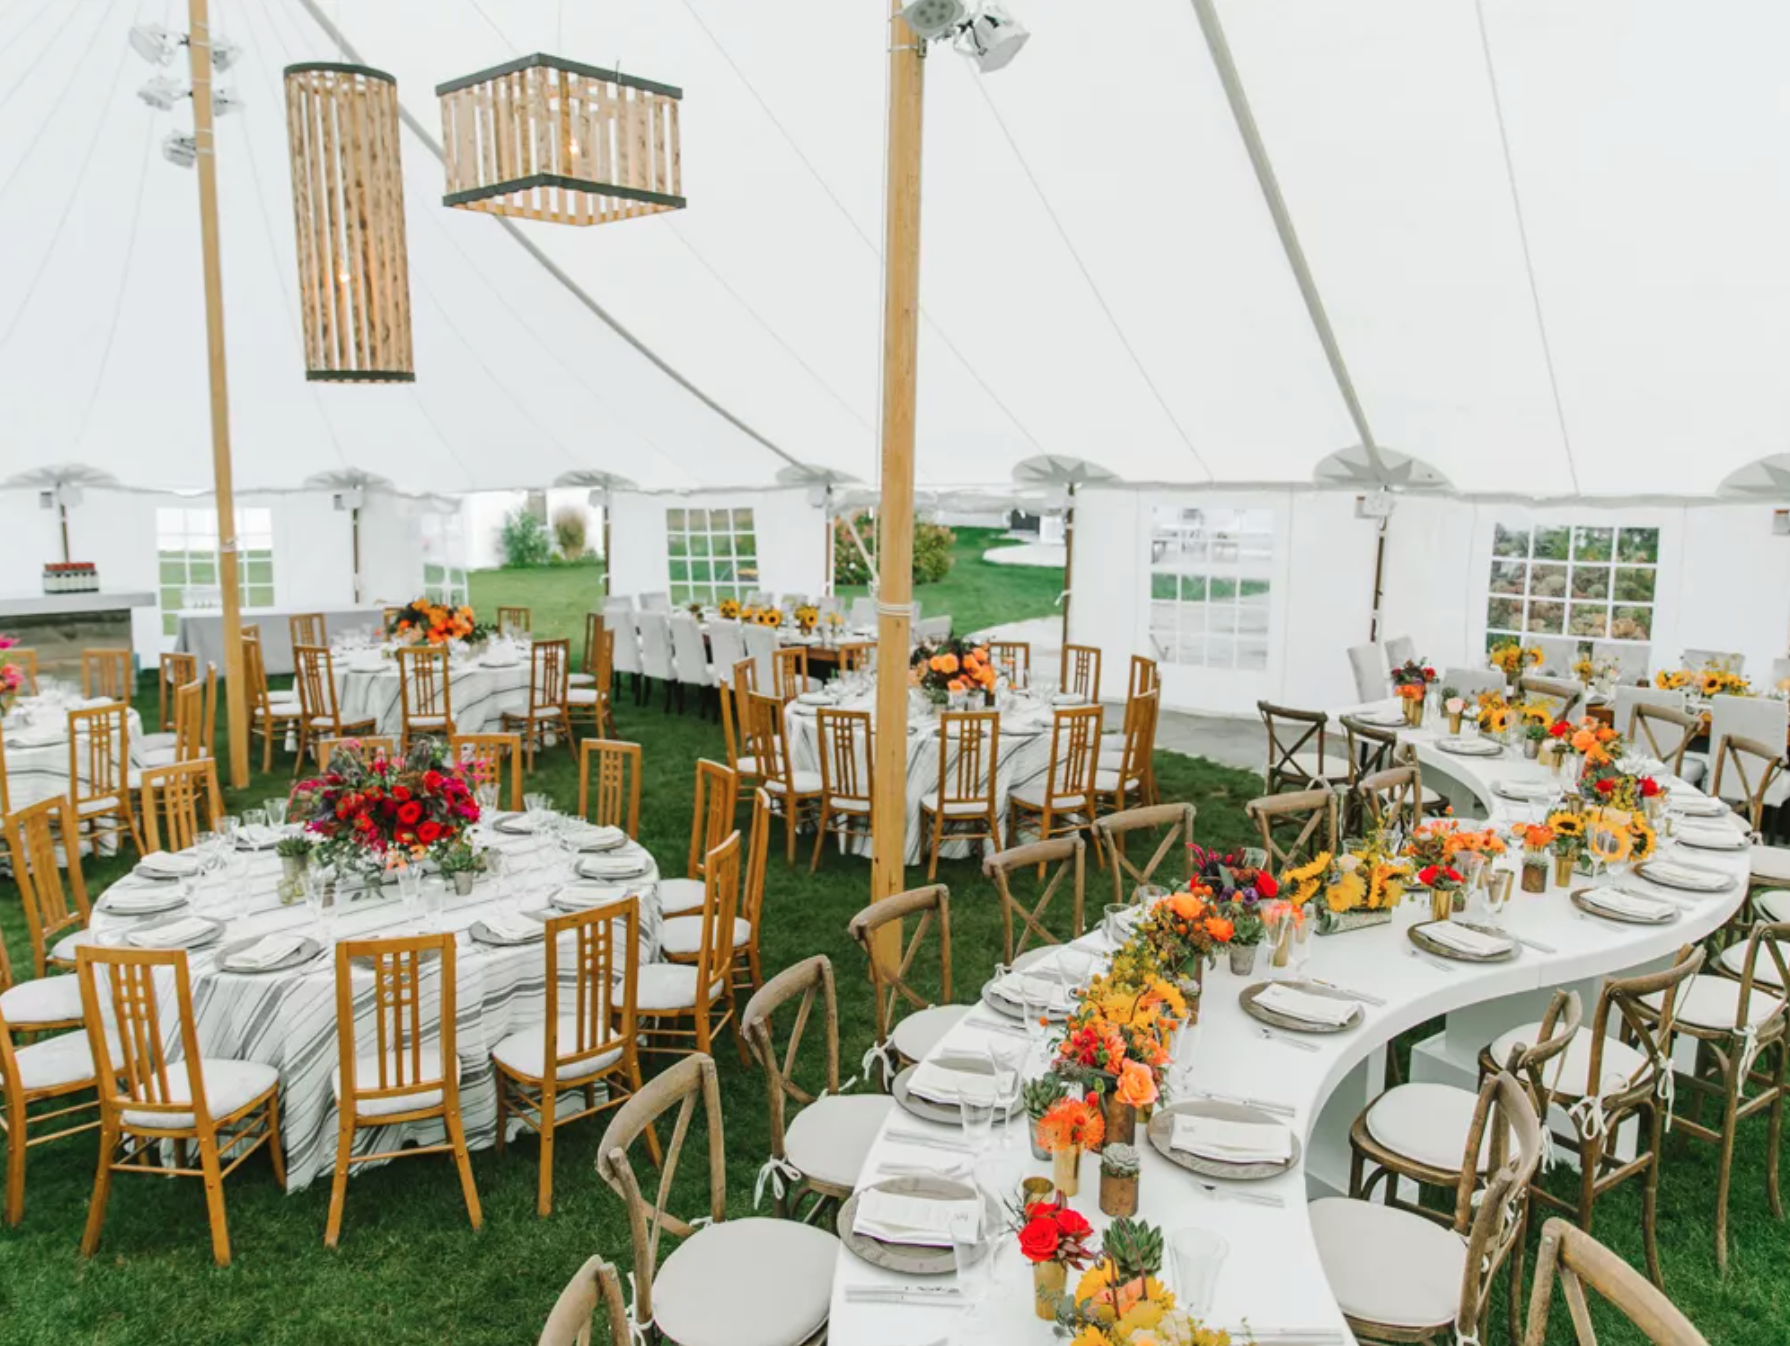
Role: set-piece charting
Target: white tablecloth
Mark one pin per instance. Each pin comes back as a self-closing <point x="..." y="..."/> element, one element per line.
<point x="37" y="754"/>
<point x="201" y="633"/>
<point x="479" y="695"/>
<point x="288" y="1019"/>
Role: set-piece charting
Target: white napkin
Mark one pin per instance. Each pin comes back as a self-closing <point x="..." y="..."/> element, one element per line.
<point x="1067" y="699"/>
<point x="1466" y="941"/>
<point x="161" y="864"/>
<point x="40" y="736"/>
<point x="1231" y="1142"/>
<point x="124" y="900"/>
<point x="264" y="953"/>
<point x="173" y="935"/>
<point x="1470" y="747"/>
<point x="582" y="897"/>
<point x="1694" y="804"/>
<point x="898" y="1160"/>
<point x="508" y="925"/>
<point x="1629" y="904"/>
<point x="940" y="1083"/>
<point x="1712" y="838"/>
<point x="1313" y="1009"/>
<point x="1052" y="990"/>
<point x="515" y="825"/>
<point x="1526" y="789"/>
<point x="815" y="699"/>
<point x="611" y="866"/>
<point x="589" y="837"/>
<point x="917" y="1220"/>
<point x="1686" y="874"/>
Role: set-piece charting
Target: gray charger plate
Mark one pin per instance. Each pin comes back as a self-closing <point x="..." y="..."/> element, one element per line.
<point x="913" y="1259"/>
<point x="1269" y="1016"/>
<point x="307" y="950"/>
<point x="1162" y="1125"/>
<point x="167" y="899"/>
<point x="1012" y="1009"/>
<point x="215" y="933"/>
<point x="1580" y="901"/>
<point x="946" y="1114"/>
<point x="1421" y="938"/>
<point x="1468" y="747"/>
<point x="1703" y="843"/>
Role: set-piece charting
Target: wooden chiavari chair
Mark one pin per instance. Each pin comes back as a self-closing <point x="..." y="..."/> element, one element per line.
<point x="573" y="1321"/>
<point x="270" y="718"/>
<point x="515" y="620"/>
<point x="588" y="703"/>
<point x="184" y="799"/>
<point x="320" y="713"/>
<point x="1312" y="812"/>
<point x="99" y="774"/>
<point x="903" y="1039"/>
<point x="227" y="1109"/>
<point x="484" y="756"/>
<point x="5" y="793"/>
<point x="1069" y="856"/>
<point x="1668" y="732"/>
<point x="368" y="746"/>
<point x="1128" y="782"/>
<point x="580" y="1046"/>
<point x="711" y="819"/>
<point x="700" y="990"/>
<point x="791" y="791"/>
<point x="822" y="1150"/>
<point x="308" y="628"/>
<point x="425" y="693"/>
<point x="1063" y="801"/>
<point x="776" y="1274"/>
<point x="106" y="673"/>
<point x="176" y="671"/>
<point x="189" y="722"/>
<point x="616" y="800"/>
<point x="38" y="837"/>
<point x="26" y="659"/>
<point x="1175" y="821"/>
<point x="547" y="708"/>
<point x="791" y="666"/>
<point x="595" y="633"/>
<point x="1012" y="660"/>
<point x="966" y="807"/>
<point x="735" y="724"/>
<point x="680" y="937"/>
<point x="1756" y="766"/>
<point x="1290" y="765"/>
<point x="1144" y="678"/>
<point x="398" y="1081"/>
<point x="1079" y="672"/>
<point x="856" y="656"/>
<point x="209" y="724"/>
<point x="1573" y="1258"/>
<point x="846" y="753"/>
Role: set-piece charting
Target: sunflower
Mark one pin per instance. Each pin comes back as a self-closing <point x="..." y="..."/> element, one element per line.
<point x="1566" y="824"/>
<point x="1644" y="838"/>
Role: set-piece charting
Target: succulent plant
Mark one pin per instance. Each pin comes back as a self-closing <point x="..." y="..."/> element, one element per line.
<point x="1039" y="1094"/>
<point x="1119" y="1161"/>
<point x="1133" y="1247"/>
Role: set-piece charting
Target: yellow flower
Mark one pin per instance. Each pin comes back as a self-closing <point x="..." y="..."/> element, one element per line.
<point x="1091" y="1336"/>
<point x="1346" y="893"/>
<point x="1567" y="824"/>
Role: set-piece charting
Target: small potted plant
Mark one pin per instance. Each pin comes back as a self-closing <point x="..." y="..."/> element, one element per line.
<point x="1569" y="844"/>
<point x="1534" y="735"/>
<point x="1247" y="934"/>
<point x="1070" y="1126"/>
<point x="1443" y="881"/>
<point x="1053" y="1238"/>
<point x="294" y="852"/>
<point x="1119" y="1165"/>
<point x="462" y="865"/>
<point x="1038" y="1096"/>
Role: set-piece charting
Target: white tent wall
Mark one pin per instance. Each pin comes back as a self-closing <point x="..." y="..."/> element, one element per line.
<point x="790" y="531"/>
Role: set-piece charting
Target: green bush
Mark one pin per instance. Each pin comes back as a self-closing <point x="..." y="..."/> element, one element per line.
<point x="568" y="532"/>
<point x="932" y="550"/>
<point x="524" y="540"/>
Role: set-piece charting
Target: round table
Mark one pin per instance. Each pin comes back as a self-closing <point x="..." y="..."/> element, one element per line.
<point x="1272" y="1275"/>
<point x="480" y="694"/>
<point x="287" y="1019"/>
<point x="36" y="736"/>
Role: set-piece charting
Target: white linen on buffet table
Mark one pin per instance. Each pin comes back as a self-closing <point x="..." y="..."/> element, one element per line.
<point x="1272" y="1275"/>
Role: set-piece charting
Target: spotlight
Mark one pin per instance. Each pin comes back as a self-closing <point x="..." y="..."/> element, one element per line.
<point x="225" y="101"/>
<point x="933" y="18"/>
<point x="153" y="43"/>
<point x="224" y="54"/>
<point x="180" y="148"/>
<point x="993" y="38"/>
<point x="161" y="93"/>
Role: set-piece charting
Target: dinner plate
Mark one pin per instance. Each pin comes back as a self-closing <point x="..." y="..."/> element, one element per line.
<point x="1162" y="1126"/>
<point x="1582" y="899"/>
<point x="1707" y="880"/>
<point x="1012" y="1009"/>
<point x="913" y="1259"/>
<point x="162" y="898"/>
<point x="307" y="949"/>
<point x="1269" y="1015"/>
<point x="946" y="1113"/>
<point x="1470" y="747"/>
<point x="1526" y="792"/>
<point x="1383" y="719"/>
<point x="213" y="933"/>
<point x="1421" y="937"/>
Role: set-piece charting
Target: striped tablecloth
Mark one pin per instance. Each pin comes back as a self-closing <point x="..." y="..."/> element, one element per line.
<point x="37" y="755"/>
<point x="288" y="1019"/>
<point x="480" y="696"/>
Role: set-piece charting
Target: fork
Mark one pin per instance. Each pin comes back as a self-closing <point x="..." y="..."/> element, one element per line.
<point x="1218" y="1193"/>
<point x="1285" y="1041"/>
<point x="1436" y="963"/>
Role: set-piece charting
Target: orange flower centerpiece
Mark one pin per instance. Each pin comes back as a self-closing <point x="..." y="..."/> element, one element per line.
<point x="941" y="668"/>
<point x="1069" y="1127"/>
<point x="435" y="623"/>
<point x="1412" y="684"/>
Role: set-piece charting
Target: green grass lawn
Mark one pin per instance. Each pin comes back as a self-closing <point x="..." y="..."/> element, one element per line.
<point x="978" y="593"/>
<point x="409" y="1270"/>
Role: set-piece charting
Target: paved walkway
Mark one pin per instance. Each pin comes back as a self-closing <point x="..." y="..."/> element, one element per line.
<point x="1052" y="554"/>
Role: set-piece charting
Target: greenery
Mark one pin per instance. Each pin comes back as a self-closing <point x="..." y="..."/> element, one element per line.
<point x="934" y="549"/>
<point x="568" y="532"/>
<point x="524" y="539"/>
<point x="979" y="594"/>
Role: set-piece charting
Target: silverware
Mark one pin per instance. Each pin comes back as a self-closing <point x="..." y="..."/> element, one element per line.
<point x="1362" y="996"/>
<point x="945" y="1296"/>
<point x="988" y="1026"/>
<point x="1535" y="944"/>
<point x="1213" y="1190"/>
<point x="923" y="1138"/>
<point x="1284" y="1041"/>
<point x="1436" y="963"/>
<point x="1260" y="1104"/>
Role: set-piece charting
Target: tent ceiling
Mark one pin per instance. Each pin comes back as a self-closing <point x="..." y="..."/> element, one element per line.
<point x="1548" y="240"/>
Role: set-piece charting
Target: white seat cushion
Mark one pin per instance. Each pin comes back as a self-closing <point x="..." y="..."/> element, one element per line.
<point x="957" y="808"/>
<point x="746" y="766"/>
<point x="746" y="1283"/>
<point x="229" y="1085"/>
<point x="679" y="897"/>
<point x="43" y="1000"/>
<point x="526" y="1053"/>
<point x="806" y="783"/>
<point x="283" y="695"/>
<point x="838" y="805"/>
<point x="1714" y="1002"/>
<point x="920" y="1032"/>
<point x="95" y="807"/>
<point x="429" y="722"/>
<point x="1771" y="862"/>
<point x="63" y="950"/>
<point x="668" y="986"/>
<point x="583" y="696"/>
<point x="682" y="935"/>
<point x="1428" y="1123"/>
<point x="1107" y="782"/>
<point x="1765" y="972"/>
<point x="1774" y="905"/>
<point x="1389" y="1266"/>
<point x="1565" y="1074"/>
<point x="831" y="1137"/>
<point x="56" y="1061"/>
<point x="1694" y="769"/>
<point x="153" y="757"/>
<point x="148" y="743"/>
<point x="1312" y="765"/>
<point x="366" y="1076"/>
<point x="582" y="679"/>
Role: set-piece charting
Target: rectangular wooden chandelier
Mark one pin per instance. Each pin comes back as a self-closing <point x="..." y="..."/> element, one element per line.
<point x="348" y="213"/>
<point x="548" y="139"/>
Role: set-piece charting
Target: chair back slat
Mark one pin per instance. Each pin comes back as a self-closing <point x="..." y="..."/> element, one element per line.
<point x="1012" y="660"/>
<point x="402" y="970"/>
<point x="189" y="722"/>
<point x="179" y="802"/>
<point x="1175" y="821"/>
<point x="308" y="628"/>
<point x="791" y="664"/>
<point x="122" y="1005"/>
<point x="1074" y="758"/>
<point x="846" y="752"/>
<point x="99" y="752"/>
<point x="548" y="661"/>
<point x="769" y="740"/>
<point x="721" y="900"/>
<point x="969" y="757"/>
<point x="177" y="668"/>
<point x="892" y="982"/>
<point x="1146" y="676"/>
<point x="711" y="819"/>
<point x="1493" y="1223"/>
<point x="1140" y="740"/>
<point x="1054" y="860"/>
<point x="614" y="770"/>
<point x="485" y="757"/>
<point x="1311" y="812"/>
<point x="314" y="674"/>
<point x="423" y="689"/>
<point x="596" y="641"/>
<point x="1079" y="674"/>
<point x="106" y="673"/>
<point x="758" y="851"/>
<point x="604" y="945"/>
<point x="40" y="837"/>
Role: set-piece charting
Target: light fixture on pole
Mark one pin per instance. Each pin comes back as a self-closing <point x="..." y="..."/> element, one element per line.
<point x="154" y="43"/>
<point x="180" y="149"/>
<point x="543" y="138"/>
<point x="162" y="93"/>
<point x="934" y="19"/>
<point x="992" y="39"/>
<point x="225" y="101"/>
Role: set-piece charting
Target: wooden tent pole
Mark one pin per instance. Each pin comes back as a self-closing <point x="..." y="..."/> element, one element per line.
<point x="199" y="53"/>
<point x="901" y="339"/>
<point x="1068" y="565"/>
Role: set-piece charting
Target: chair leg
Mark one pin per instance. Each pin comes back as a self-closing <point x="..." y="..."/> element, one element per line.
<point x="1775" y="1133"/>
<point x="820" y="839"/>
<point x="1724" y="1177"/>
<point x="503" y="1112"/>
<point x="544" y="1194"/>
<point x="214" y="1202"/>
<point x="790" y="813"/>
<point x="15" y="1161"/>
<point x="1513" y="1278"/>
<point x="338" y="1188"/>
<point x="463" y="1161"/>
<point x="276" y="1155"/>
<point x="1650" y="1201"/>
<point x="102" y="1188"/>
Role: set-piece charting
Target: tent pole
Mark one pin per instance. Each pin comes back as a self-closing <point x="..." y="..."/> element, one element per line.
<point x="354" y="523"/>
<point x="62" y="511"/>
<point x="606" y="551"/>
<point x="901" y="337"/>
<point x="1068" y="564"/>
<point x="1373" y="628"/>
<point x="827" y="520"/>
<point x="199" y="53"/>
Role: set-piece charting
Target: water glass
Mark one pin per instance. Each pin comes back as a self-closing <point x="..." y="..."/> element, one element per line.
<point x="1006" y="1092"/>
<point x="435" y="903"/>
<point x="1183" y="1079"/>
<point x="1147" y="895"/>
<point x="1497" y="895"/>
<point x="1113" y="926"/>
<point x="410" y="888"/>
<point x="1197" y="1256"/>
<point x="1035" y="1003"/>
<point x="320" y="898"/>
<point x="972" y="1256"/>
<point x="231" y="824"/>
<point x="975" y="1103"/>
<point x="536" y="804"/>
<point x="276" y="812"/>
<point x="255" y="819"/>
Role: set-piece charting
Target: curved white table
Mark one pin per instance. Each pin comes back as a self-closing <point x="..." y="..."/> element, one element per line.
<point x="1272" y="1276"/>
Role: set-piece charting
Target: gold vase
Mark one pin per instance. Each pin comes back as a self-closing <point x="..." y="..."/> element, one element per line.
<point x="1563" y="871"/>
<point x="1414" y="711"/>
<point x="1048" y="1282"/>
<point x="1121" y="1121"/>
<point x="1066" y="1170"/>
<point x="1118" y="1196"/>
<point x="1441" y="904"/>
<point x="1454" y="722"/>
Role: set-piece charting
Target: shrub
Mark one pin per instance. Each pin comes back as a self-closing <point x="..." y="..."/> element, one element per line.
<point x="932" y="551"/>
<point x="524" y="540"/>
<point x="568" y="532"/>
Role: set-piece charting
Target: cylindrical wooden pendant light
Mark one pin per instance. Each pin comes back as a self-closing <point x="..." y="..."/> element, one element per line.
<point x="348" y="206"/>
<point x="548" y="139"/>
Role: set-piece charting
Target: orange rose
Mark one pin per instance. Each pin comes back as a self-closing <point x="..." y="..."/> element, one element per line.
<point x="1136" y="1086"/>
<point x="944" y="663"/>
<point x="1220" y="928"/>
<point x="957" y="685"/>
<point x="1186" y="906"/>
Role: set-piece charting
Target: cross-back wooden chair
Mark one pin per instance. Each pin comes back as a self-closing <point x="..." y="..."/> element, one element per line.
<point x="314" y="674"/>
<point x="270" y="720"/>
<point x="1063" y="802"/>
<point x="175" y="671"/>
<point x="793" y="792"/>
<point x="1293" y="763"/>
<point x="904" y="1038"/>
<point x="425" y="695"/>
<point x="615" y="802"/>
<point x="773" y="1273"/>
<point x="1114" y="831"/>
<point x="966" y="806"/>
<point x="26" y="660"/>
<point x="588" y="703"/>
<point x="1573" y="1259"/>
<point x="578" y="1047"/>
<point x="517" y="620"/>
<point x="712" y="817"/>
<point x="1078" y="672"/>
<point x="818" y="1154"/>
<point x="367" y="745"/>
<point x="486" y="758"/>
<point x="1068" y="855"/>
<point x="1012" y="660"/>
<point x="1311" y="812"/>
<point x="548" y="710"/>
<point x="308" y="628"/>
<point x="1564" y="699"/>
<point x="573" y="1320"/>
<point x="1668" y="732"/>
<point x="1128" y="780"/>
<point x="189" y="722"/>
<point x="399" y="1080"/>
<point x="844" y="739"/>
<point x="1605" y="1080"/>
<point x="1389" y="801"/>
<point x="1755" y="765"/>
<point x="99" y="774"/>
<point x="1371" y="748"/>
<point x="701" y="989"/>
<point x="226" y="1109"/>
<point x="179" y="802"/>
<point x="791" y="666"/>
<point x="39" y="838"/>
<point x="106" y="673"/>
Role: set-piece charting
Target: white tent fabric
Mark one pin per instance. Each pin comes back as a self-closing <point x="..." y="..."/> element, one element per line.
<point x="1548" y="240"/>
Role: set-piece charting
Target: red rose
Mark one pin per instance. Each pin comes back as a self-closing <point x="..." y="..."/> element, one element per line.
<point x="1039" y="1239"/>
<point x="1072" y="1224"/>
<point x="1559" y="729"/>
<point x="428" y="832"/>
<point x="404" y="837"/>
<point x="1606" y="786"/>
<point x="431" y="780"/>
<point x="1453" y="874"/>
<point x="1429" y="674"/>
<point x="1266" y="886"/>
<point x="1427" y="875"/>
<point x="1649" y="787"/>
<point x="409" y="813"/>
<point x="400" y="792"/>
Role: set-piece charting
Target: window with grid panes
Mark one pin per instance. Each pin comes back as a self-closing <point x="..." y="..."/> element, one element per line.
<point x="1560" y="580"/>
<point x="1211" y="574"/>
<point x="713" y="554"/>
<point x="186" y="544"/>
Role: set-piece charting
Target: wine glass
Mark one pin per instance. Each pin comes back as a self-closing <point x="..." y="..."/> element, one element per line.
<point x="975" y="1104"/>
<point x="1606" y="842"/>
<point x="1006" y="1092"/>
<point x="276" y="811"/>
<point x="1497" y="895"/>
<point x="410" y="888"/>
<point x="973" y="1248"/>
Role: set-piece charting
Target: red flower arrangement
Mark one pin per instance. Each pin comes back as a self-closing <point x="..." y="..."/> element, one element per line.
<point x="377" y="812"/>
<point x="1412" y="680"/>
<point x="1445" y="877"/>
<point x="1053" y="1232"/>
